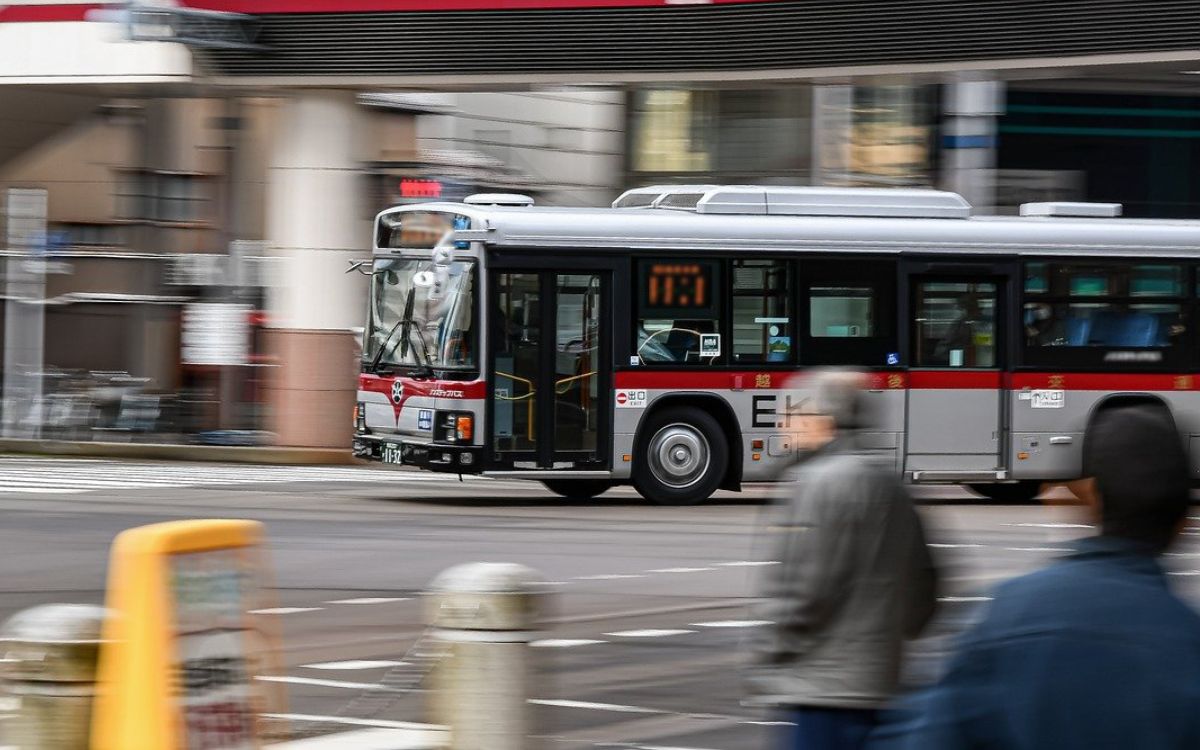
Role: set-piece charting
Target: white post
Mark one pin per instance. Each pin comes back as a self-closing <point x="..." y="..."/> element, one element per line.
<point x="485" y="613"/>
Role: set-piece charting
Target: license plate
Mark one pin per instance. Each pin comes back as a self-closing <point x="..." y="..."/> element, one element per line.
<point x="391" y="454"/>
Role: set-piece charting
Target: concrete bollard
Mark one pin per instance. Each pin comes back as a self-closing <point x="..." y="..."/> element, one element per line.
<point x="484" y="614"/>
<point x="49" y="667"/>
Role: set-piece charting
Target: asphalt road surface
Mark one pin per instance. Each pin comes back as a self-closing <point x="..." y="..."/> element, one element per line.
<point x="642" y="642"/>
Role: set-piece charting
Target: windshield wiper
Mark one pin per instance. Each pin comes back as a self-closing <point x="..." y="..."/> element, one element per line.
<point x="405" y="320"/>
<point x="406" y="325"/>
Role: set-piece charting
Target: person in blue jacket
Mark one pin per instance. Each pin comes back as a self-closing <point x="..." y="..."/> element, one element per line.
<point x="1093" y="652"/>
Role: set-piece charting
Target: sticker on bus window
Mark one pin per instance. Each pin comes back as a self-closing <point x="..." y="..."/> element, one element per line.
<point x="893" y="359"/>
<point x="710" y="345"/>
<point x="1047" y="399"/>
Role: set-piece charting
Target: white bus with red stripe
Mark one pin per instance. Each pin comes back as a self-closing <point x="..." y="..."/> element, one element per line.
<point x="662" y="342"/>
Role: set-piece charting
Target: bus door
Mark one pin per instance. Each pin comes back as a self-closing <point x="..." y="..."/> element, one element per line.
<point x="956" y="353"/>
<point x="551" y="368"/>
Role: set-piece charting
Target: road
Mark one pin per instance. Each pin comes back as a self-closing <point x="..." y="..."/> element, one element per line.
<point x="650" y="605"/>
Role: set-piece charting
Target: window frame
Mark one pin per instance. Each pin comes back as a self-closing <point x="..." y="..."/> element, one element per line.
<point x="722" y="310"/>
<point x="1177" y="357"/>
<point x="790" y="301"/>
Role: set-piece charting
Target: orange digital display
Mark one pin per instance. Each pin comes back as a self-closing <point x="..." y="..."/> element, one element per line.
<point x="674" y="286"/>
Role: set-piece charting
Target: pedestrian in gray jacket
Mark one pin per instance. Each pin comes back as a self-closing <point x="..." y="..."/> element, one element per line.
<point x="854" y="579"/>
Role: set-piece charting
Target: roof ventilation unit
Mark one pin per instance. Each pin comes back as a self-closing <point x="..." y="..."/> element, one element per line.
<point x="1076" y="210"/>
<point x="770" y="200"/>
<point x="498" y="199"/>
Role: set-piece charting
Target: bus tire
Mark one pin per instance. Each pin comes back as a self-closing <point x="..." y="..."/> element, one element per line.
<point x="1012" y="493"/>
<point x="577" y="489"/>
<point x="681" y="457"/>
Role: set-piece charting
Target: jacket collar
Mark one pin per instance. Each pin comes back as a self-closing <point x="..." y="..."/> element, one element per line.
<point x="1127" y="553"/>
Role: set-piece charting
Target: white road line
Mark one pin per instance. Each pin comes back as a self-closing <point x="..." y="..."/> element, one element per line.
<point x="649" y="633"/>
<point x="565" y="642"/>
<point x="1184" y="573"/>
<point x="288" y="679"/>
<point x="1051" y="525"/>
<point x="355" y="664"/>
<point x="1038" y="549"/>
<point x="608" y="577"/>
<point x="350" y="721"/>
<point x="594" y="706"/>
<point x="369" y="739"/>
<point x="549" y="583"/>
<point x="42" y="490"/>
<point x="964" y="598"/>
<point x="371" y="600"/>
<point x="746" y="563"/>
<point x="284" y="610"/>
<point x="679" y="570"/>
<point x="954" y="546"/>
<point x="732" y="624"/>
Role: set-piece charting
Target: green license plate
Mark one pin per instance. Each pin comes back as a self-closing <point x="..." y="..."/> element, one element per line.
<point x="391" y="454"/>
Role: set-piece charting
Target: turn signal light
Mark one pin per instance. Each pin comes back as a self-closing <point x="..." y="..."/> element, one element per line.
<point x="464" y="428"/>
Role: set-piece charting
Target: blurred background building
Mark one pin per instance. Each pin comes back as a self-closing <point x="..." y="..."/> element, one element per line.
<point x="185" y="181"/>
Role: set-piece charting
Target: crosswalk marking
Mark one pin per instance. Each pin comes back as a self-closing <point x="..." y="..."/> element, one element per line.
<point x="71" y="476"/>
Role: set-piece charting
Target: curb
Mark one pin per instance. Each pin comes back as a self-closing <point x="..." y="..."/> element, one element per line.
<point x="171" y="452"/>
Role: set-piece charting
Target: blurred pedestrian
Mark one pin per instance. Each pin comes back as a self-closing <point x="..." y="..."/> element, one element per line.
<point x="854" y="579"/>
<point x="1094" y="651"/>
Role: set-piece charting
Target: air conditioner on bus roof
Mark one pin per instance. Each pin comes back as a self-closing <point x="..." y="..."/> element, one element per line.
<point x="1073" y="209"/>
<point x="799" y="201"/>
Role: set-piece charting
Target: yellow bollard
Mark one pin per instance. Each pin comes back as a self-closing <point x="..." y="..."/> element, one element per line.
<point x="181" y="650"/>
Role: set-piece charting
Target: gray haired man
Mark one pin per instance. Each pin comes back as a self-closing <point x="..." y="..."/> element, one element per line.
<point x="854" y="579"/>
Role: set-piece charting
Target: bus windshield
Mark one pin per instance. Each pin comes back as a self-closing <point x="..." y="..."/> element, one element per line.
<point x="422" y="315"/>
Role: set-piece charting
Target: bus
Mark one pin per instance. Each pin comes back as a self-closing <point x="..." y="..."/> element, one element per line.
<point x="658" y="342"/>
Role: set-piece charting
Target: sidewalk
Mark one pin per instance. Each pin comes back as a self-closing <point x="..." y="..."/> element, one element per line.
<point x="177" y="452"/>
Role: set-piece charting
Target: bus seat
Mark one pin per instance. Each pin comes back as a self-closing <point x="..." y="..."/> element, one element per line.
<point x="1078" y="331"/>
<point x="1135" y="330"/>
<point x="1104" y="325"/>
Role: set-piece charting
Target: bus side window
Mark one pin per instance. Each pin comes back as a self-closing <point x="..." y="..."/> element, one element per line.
<point x="848" y="313"/>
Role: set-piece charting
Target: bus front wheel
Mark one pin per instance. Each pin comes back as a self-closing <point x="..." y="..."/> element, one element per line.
<point x="681" y="457"/>
<point x="577" y="489"/>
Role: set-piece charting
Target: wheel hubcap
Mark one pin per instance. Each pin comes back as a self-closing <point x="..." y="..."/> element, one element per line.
<point x="678" y="455"/>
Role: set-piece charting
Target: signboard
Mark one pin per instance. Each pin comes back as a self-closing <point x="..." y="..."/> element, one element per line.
<point x="1048" y="399"/>
<point x="212" y="638"/>
<point x="216" y="333"/>
<point x="181" y="650"/>
<point x="674" y="289"/>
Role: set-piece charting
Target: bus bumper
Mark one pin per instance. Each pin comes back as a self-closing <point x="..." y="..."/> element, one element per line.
<point x="459" y="459"/>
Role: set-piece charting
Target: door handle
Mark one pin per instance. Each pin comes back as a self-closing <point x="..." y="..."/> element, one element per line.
<point x="1062" y="440"/>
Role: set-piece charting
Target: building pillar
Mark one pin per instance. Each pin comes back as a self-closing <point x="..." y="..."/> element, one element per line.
<point x="969" y="141"/>
<point x="317" y="220"/>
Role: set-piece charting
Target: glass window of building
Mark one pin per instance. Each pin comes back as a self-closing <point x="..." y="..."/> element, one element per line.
<point x="678" y="312"/>
<point x="762" y="312"/>
<point x="723" y="136"/>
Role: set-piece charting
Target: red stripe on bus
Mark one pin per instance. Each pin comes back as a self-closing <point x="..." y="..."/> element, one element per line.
<point x="955" y="379"/>
<point x="724" y="380"/>
<point x="435" y="388"/>
<point x="1096" y="381"/>
<point x="275" y="7"/>
<point x="47" y="13"/>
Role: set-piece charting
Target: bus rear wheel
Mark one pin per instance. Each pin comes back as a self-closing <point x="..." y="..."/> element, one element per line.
<point x="1015" y="493"/>
<point x="681" y="457"/>
<point x="577" y="489"/>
